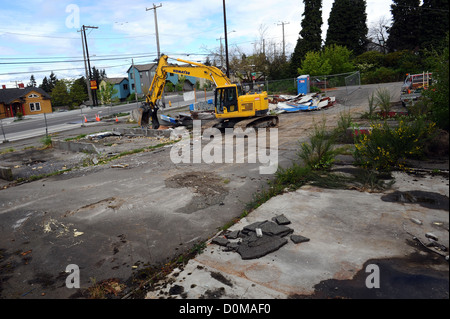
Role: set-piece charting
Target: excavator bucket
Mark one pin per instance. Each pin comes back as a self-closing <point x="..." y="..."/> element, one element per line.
<point x="145" y="114"/>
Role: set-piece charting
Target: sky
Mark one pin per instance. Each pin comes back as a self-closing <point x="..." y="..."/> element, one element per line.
<point x="41" y="36"/>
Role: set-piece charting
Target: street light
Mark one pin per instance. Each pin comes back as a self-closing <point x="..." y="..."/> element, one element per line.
<point x="221" y="48"/>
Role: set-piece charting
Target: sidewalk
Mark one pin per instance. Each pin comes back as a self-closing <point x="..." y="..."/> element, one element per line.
<point x="348" y="230"/>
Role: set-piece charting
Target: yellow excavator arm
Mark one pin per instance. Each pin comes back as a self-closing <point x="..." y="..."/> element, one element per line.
<point x="149" y="109"/>
<point x="230" y="107"/>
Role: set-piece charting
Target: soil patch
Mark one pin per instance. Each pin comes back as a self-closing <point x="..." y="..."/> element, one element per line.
<point x="209" y="189"/>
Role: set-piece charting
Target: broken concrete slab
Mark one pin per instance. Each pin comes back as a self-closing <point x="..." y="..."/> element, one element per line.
<point x="297" y="239"/>
<point x="233" y="234"/>
<point x="6" y="173"/>
<point x="143" y="132"/>
<point x="74" y="146"/>
<point x="269" y="228"/>
<point x="103" y="135"/>
<point x="255" y="247"/>
<point x="220" y="241"/>
<point x="281" y="220"/>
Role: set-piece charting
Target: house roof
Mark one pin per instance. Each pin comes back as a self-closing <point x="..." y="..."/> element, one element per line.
<point x="9" y="95"/>
<point x="143" y="67"/>
<point x="115" y="80"/>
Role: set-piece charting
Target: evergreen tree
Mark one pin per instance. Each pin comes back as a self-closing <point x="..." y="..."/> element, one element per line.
<point x="404" y="31"/>
<point x="32" y="82"/>
<point x="45" y="85"/>
<point x="311" y="34"/>
<point x="347" y="25"/>
<point x="98" y="75"/>
<point x="60" y="95"/>
<point x="52" y="81"/>
<point x="434" y="23"/>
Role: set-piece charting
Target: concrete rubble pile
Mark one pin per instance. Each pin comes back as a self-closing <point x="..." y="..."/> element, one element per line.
<point x="301" y="102"/>
<point x="260" y="238"/>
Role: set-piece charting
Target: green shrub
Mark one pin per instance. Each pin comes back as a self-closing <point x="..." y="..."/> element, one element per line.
<point x="387" y="147"/>
<point x="319" y="152"/>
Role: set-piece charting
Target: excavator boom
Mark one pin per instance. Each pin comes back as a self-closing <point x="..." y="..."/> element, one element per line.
<point x="230" y="108"/>
<point x="149" y="109"/>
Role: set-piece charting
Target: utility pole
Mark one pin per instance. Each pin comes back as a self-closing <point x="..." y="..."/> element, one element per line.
<point x="284" y="44"/>
<point x="88" y="84"/>
<point x="156" y="27"/>
<point x="226" y="38"/>
<point x="135" y="78"/>
<point x="221" y="50"/>
<point x="157" y="40"/>
<point x="94" y="93"/>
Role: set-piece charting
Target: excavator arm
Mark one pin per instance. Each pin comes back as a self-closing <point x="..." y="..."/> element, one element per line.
<point x="150" y="108"/>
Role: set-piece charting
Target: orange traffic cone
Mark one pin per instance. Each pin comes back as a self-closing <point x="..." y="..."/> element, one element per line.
<point x="97" y="118"/>
<point x="117" y="120"/>
<point x="85" y="119"/>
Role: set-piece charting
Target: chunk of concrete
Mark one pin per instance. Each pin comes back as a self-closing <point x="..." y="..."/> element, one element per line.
<point x="233" y="234"/>
<point x="281" y="220"/>
<point x="220" y="241"/>
<point x="6" y="173"/>
<point x="297" y="239"/>
<point x="255" y="247"/>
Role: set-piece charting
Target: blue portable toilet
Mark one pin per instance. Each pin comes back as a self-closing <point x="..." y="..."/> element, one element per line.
<point x="303" y="84"/>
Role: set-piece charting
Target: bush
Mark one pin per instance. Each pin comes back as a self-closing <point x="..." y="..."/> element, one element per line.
<point x="319" y="153"/>
<point x="381" y="75"/>
<point x="386" y="148"/>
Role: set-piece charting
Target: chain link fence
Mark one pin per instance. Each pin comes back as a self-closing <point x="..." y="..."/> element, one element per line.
<point x="351" y="81"/>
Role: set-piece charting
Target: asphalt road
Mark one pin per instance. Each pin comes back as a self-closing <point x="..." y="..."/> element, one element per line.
<point x="32" y="126"/>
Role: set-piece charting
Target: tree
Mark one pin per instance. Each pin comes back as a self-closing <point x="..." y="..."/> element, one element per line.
<point x="313" y="64"/>
<point x="434" y="23"/>
<point x="52" y="81"/>
<point x="378" y="34"/>
<point x="311" y="33"/>
<point x="404" y="31"/>
<point x="32" y="82"/>
<point x="60" y="95"/>
<point x="107" y="91"/>
<point x="439" y="91"/>
<point x="333" y="59"/>
<point x="98" y="75"/>
<point x="347" y="25"/>
<point x="78" y="92"/>
<point x="45" y="86"/>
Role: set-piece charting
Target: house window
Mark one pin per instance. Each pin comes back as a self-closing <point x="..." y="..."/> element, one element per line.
<point x="34" y="107"/>
<point x="132" y="86"/>
<point x="125" y="87"/>
<point x="140" y="75"/>
<point x="33" y="95"/>
<point x="131" y="76"/>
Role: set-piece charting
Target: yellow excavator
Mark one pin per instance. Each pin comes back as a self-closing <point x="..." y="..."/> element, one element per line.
<point x="232" y="109"/>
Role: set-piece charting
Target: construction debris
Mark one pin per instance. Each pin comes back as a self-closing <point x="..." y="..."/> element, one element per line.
<point x="301" y="102"/>
<point x="259" y="239"/>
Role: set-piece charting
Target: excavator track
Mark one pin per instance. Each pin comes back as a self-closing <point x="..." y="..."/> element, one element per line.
<point x="266" y="121"/>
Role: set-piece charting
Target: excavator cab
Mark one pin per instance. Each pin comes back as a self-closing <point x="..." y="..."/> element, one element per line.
<point x="226" y="99"/>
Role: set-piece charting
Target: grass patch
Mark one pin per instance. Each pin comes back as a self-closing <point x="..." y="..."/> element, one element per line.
<point x="8" y="150"/>
<point x="79" y="137"/>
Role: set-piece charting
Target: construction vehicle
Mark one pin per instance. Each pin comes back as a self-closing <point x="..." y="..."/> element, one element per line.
<point x="413" y="86"/>
<point x="232" y="109"/>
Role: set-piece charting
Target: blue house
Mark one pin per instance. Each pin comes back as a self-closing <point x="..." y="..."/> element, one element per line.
<point x="140" y="78"/>
<point x="122" y="86"/>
